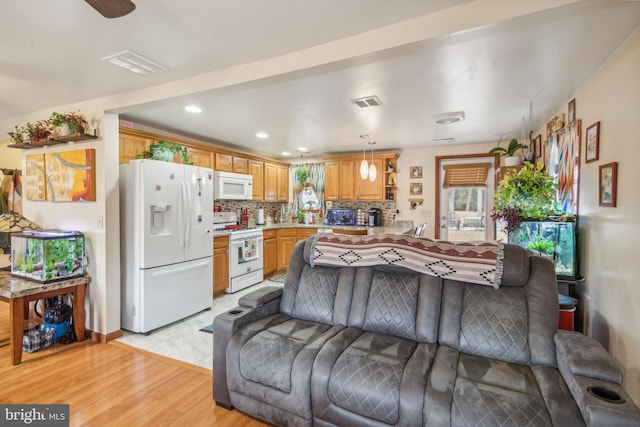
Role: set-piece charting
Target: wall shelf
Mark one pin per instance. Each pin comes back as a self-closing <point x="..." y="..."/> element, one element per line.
<point x="59" y="140"/>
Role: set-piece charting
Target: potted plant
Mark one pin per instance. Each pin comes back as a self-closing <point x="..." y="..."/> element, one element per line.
<point x="302" y="173"/>
<point x="70" y="123"/>
<point x="509" y="153"/>
<point x="165" y="151"/>
<point x="527" y="193"/>
<point x="31" y="133"/>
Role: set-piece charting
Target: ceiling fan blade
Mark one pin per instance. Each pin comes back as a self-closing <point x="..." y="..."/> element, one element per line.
<point x="112" y="8"/>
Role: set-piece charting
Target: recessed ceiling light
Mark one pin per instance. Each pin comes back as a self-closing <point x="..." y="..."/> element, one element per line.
<point x="449" y="118"/>
<point x="303" y="149"/>
<point x="286" y="153"/>
<point x="193" y="109"/>
<point x="262" y="135"/>
<point x="135" y="63"/>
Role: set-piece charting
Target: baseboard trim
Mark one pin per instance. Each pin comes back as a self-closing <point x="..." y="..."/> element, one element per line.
<point x="102" y="338"/>
<point x="175" y="362"/>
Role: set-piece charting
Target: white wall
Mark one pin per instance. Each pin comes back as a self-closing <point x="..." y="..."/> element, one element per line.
<point x="426" y="157"/>
<point x="610" y="235"/>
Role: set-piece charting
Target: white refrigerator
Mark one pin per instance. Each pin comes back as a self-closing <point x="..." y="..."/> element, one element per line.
<point x="166" y="219"/>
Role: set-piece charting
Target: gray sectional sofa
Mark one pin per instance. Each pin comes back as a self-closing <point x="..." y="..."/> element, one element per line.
<point x="383" y="345"/>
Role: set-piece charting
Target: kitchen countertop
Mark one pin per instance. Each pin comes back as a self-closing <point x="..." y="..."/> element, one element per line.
<point x="399" y="228"/>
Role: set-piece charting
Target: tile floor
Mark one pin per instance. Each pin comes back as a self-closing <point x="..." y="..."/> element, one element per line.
<point x="183" y="340"/>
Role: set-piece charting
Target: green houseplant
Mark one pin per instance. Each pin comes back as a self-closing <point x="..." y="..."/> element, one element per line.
<point x="68" y="123"/>
<point x="509" y="153"/>
<point x="302" y="173"/>
<point x="31" y="133"/>
<point x="165" y="151"/>
<point x="527" y="193"/>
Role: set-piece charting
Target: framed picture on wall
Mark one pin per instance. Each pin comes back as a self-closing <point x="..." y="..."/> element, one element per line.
<point x="415" y="189"/>
<point x="571" y="116"/>
<point x="608" y="185"/>
<point x="537" y="146"/>
<point x="415" y="172"/>
<point x="592" y="142"/>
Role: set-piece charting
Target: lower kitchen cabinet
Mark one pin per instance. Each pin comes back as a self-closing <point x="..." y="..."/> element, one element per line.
<point x="220" y="264"/>
<point x="270" y="252"/>
<point x="286" y="241"/>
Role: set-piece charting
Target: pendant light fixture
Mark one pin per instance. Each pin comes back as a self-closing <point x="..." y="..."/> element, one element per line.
<point x="364" y="165"/>
<point x="373" y="173"/>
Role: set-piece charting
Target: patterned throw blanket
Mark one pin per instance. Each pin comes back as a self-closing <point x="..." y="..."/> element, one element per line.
<point x="479" y="263"/>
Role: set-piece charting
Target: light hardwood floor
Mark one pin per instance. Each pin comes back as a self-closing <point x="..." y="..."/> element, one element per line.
<point x="112" y="385"/>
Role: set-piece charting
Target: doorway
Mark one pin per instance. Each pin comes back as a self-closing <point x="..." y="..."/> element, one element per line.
<point x="464" y="197"/>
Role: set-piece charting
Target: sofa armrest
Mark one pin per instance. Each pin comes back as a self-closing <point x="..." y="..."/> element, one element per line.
<point x="225" y="326"/>
<point x="594" y="381"/>
<point x="260" y="296"/>
<point x="578" y="354"/>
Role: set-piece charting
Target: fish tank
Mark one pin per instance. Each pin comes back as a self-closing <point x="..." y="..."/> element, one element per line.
<point x="554" y="239"/>
<point x="47" y="255"/>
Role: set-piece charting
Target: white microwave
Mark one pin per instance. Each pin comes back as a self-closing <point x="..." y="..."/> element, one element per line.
<point x="232" y="186"/>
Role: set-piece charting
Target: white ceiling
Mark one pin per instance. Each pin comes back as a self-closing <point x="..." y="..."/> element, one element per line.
<point x="52" y="51"/>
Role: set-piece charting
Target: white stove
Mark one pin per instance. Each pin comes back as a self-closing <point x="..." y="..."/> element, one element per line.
<point x="245" y="251"/>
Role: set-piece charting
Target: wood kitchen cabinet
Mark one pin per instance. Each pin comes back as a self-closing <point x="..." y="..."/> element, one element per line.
<point x="256" y="169"/>
<point x="230" y="163"/>
<point x="270" y="260"/>
<point x="367" y="190"/>
<point x="304" y="233"/>
<point x="286" y="241"/>
<point x="339" y="176"/>
<point x="282" y="183"/>
<point x="131" y="145"/>
<point x="269" y="182"/>
<point x="201" y="157"/>
<point x="220" y="264"/>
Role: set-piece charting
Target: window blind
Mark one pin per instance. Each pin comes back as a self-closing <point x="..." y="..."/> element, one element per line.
<point x="466" y="175"/>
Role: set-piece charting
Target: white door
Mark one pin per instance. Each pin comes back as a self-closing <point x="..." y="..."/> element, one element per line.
<point x="465" y="211"/>
<point x="161" y="211"/>
<point x="198" y="192"/>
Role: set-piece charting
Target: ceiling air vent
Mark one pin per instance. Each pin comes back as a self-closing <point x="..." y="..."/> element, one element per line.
<point x="367" y="101"/>
<point x="135" y="63"/>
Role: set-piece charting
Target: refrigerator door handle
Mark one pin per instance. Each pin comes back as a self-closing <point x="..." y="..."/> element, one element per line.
<point x="188" y="218"/>
<point x="183" y="212"/>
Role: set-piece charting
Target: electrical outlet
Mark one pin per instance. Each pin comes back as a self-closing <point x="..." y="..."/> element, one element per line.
<point x="329" y="204"/>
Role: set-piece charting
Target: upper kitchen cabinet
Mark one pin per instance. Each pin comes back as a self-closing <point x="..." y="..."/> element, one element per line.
<point x="270" y="182"/>
<point x="230" y="163"/>
<point x="343" y="181"/>
<point x="201" y="157"/>
<point x="282" y="183"/>
<point x="133" y="143"/>
<point x="256" y="170"/>
<point x="338" y="183"/>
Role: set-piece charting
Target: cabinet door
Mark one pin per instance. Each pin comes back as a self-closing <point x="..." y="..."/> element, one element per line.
<point x="367" y="190"/>
<point x="200" y="157"/>
<point x="304" y="233"/>
<point x="282" y="183"/>
<point x="285" y="247"/>
<point x="270" y="252"/>
<point x="224" y="162"/>
<point x="269" y="182"/>
<point x="332" y="180"/>
<point x="346" y="180"/>
<point x="338" y="180"/>
<point x="131" y="146"/>
<point x="256" y="169"/>
<point x="240" y="165"/>
<point x="220" y="271"/>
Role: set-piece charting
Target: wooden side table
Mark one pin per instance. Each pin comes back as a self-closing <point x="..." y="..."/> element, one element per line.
<point x="20" y="292"/>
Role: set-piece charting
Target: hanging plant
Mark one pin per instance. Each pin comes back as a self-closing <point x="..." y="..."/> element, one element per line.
<point x="302" y="173"/>
<point x="527" y="193"/>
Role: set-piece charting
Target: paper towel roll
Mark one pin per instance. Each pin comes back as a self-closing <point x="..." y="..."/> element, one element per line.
<point x="261" y="216"/>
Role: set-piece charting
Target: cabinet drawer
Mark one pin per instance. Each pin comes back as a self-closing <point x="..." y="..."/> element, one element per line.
<point x="287" y="232"/>
<point x="220" y="242"/>
<point x="303" y="233"/>
<point x="270" y="234"/>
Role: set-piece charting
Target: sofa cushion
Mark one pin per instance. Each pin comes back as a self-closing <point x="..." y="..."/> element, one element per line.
<point x="277" y="348"/>
<point x="366" y="377"/>
<point x="392" y="304"/>
<point x="316" y="294"/>
<point x="516" y="266"/>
